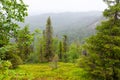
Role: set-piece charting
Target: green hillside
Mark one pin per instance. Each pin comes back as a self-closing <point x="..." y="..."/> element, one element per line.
<point x="77" y="25"/>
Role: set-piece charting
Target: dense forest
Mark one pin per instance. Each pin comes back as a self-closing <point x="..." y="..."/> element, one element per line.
<point x="41" y="54"/>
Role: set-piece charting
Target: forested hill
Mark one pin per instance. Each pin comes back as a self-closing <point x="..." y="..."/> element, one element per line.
<point x="74" y="24"/>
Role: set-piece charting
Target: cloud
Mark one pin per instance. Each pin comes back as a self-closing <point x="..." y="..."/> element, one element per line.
<point x="45" y="6"/>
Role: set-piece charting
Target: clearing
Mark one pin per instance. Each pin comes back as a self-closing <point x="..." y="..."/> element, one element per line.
<point x="44" y="71"/>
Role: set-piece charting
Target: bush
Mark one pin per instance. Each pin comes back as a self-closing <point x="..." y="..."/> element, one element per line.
<point x="15" y="60"/>
<point x="4" y="69"/>
<point x="10" y="52"/>
<point x="4" y="64"/>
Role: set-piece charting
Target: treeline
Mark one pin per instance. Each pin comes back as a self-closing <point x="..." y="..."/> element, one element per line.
<point x="46" y="47"/>
<point x="20" y="46"/>
<point x="39" y="46"/>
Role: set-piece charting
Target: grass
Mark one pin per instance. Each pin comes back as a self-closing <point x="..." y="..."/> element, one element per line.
<point x="44" y="71"/>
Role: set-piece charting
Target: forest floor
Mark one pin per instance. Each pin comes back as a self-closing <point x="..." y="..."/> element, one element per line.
<point x="44" y="71"/>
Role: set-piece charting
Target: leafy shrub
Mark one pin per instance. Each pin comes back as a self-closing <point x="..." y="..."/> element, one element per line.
<point x="2" y="52"/>
<point x="10" y="52"/>
<point x="4" y="69"/>
<point x="4" y="64"/>
<point x="15" y="60"/>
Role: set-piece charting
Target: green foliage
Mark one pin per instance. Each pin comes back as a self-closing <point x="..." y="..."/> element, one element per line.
<point x="10" y="12"/>
<point x="2" y="52"/>
<point x="60" y="51"/>
<point x="74" y="52"/>
<point x="38" y="54"/>
<point x="33" y="58"/>
<point x="15" y="60"/>
<point x="36" y="42"/>
<point x="4" y="66"/>
<point x="113" y="8"/>
<point x="38" y="46"/>
<point x="56" y="45"/>
<point x="49" y="41"/>
<point x="65" y="48"/>
<point x="103" y="59"/>
<point x="65" y="43"/>
<point x="10" y="53"/>
<point x="24" y="40"/>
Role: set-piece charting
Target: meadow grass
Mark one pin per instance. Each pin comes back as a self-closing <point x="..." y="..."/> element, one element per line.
<point x="44" y="71"/>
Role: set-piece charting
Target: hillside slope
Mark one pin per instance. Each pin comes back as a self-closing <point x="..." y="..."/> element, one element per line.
<point x="77" y="25"/>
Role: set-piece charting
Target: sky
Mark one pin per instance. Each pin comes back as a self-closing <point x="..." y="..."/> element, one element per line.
<point x="57" y="6"/>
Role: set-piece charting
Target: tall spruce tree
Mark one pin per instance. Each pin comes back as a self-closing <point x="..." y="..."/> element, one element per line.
<point x="65" y="43"/>
<point x="49" y="41"/>
<point x="103" y="60"/>
<point x="60" y="50"/>
<point x="65" y="47"/>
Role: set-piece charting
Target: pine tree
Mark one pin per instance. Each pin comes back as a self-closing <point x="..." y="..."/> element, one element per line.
<point x="48" y="40"/>
<point x="60" y="50"/>
<point x="65" y="47"/>
<point x="65" y="43"/>
<point x="103" y="60"/>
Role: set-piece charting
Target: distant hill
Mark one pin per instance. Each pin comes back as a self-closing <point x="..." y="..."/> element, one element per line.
<point x="77" y="25"/>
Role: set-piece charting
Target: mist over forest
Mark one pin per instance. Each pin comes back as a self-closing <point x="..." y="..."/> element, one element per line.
<point x="76" y="25"/>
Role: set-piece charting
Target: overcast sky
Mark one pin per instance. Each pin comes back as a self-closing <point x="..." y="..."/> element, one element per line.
<point x="53" y="6"/>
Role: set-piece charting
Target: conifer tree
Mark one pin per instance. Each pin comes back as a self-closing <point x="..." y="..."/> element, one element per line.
<point x="65" y="47"/>
<point x="48" y="40"/>
<point x="60" y="50"/>
<point x="64" y="43"/>
<point x="103" y="60"/>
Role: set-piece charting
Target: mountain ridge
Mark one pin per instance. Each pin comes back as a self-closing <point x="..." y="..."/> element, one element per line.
<point x="73" y="24"/>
